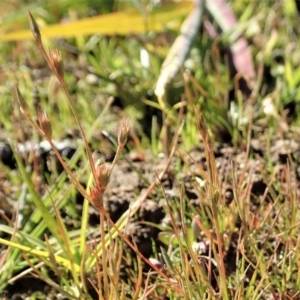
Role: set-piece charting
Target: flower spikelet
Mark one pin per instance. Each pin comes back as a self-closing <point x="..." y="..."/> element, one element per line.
<point x="34" y="29"/>
<point x="101" y="182"/>
<point x="22" y="103"/>
<point x="123" y="133"/>
<point x="96" y="197"/>
<point x="102" y="176"/>
<point x="45" y="124"/>
<point x="56" y="62"/>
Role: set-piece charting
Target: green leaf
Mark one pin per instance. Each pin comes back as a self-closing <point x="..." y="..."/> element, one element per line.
<point x="289" y="76"/>
<point x="168" y="238"/>
<point x="289" y="8"/>
<point x="44" y="211"/>
<point x="166" y="258"/>
<point x="60" y="260"/>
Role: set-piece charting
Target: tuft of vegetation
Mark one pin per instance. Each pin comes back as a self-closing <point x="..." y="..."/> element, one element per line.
<point x="153" y="157"/>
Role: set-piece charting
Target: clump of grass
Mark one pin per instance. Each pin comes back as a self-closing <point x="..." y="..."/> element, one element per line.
<point x="70" y="257"/>
<point x="227" y="252"/>
<point x="60" y="250"/>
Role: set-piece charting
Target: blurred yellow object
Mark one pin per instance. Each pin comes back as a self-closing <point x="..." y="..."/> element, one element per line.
<point x="119" y="23"/>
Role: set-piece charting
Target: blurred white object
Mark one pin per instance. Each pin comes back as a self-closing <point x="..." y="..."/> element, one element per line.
<point x="144" y="57"/>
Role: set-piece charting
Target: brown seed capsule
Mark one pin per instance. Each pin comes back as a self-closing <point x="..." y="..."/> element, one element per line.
<point x="45" y="124"/>
<point x="96" y="196"/>
<point x="22" y="103"/>
<point x="34" y="29"/>
<point x="123" y="133"/>
<point x="103" y="176"/>
<point x="56" y="62"/>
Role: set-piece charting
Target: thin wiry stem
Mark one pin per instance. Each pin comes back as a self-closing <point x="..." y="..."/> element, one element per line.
<point x="50" y="58"/>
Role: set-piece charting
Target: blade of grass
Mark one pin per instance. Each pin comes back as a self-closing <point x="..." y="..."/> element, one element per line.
<point x="118" y="23"/>
<point x="179" y="51"/>
<point x="62" y="261"/>
<point x="49" y="219"/>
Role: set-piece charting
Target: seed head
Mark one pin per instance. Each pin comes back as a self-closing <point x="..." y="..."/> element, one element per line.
<point x="123" y="133"/>
<point x="34" y="29"/>
<point x="22" y="103"/>
<point x="96" y="195"/>
<point x="103" y="176"/>
<point x="56" y="62"/>
<point x="45" y="124"/>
